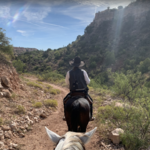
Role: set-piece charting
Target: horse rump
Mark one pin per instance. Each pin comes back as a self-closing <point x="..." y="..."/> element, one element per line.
<point x="77" y="113"/>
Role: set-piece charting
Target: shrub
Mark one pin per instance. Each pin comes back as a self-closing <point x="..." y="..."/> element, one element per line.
<point x="13" y="96"/>
<point x="20" y="109"/>
<point x="33" y="84"/>
<point x="145" y="66"/>
<point x="130" y="85"/>
<point x="37" y="104"/>
<point x="54" y="91"/>
<point x="51" y="76"/>
<point x="134" y="120"/>
<point x="19" y="65"/>
<point x="51" y="103"/>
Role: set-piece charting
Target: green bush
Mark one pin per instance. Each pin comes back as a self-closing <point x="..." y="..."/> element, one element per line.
<point x="20" y="109"/>
<point x="33" y="84"/>
<point x="134" y="120"/>
<point x="145" y="66"/>
<point x="51" y="76"/>
<point x="4" y="43"/>
<point x="19" y="65"/>
<point x="129" y="85"/>
<point x="51" y="103"/>
<point x="37" y="104"/>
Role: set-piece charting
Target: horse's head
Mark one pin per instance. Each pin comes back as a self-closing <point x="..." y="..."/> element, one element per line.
<point x="71" y="140"/>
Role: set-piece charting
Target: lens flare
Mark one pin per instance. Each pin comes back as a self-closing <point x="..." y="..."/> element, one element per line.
<point x="16" y="16"/>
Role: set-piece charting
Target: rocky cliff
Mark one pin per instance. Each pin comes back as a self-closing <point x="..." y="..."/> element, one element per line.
<point x="21" y="50"/>
<point x="9" y="79"/>
<point x="116" y="39"/>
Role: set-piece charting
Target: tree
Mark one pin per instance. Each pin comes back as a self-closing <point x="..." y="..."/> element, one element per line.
<point x="4" y="43"/>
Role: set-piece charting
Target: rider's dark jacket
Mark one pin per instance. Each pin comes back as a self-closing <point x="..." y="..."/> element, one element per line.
<point x="77" y="81"/>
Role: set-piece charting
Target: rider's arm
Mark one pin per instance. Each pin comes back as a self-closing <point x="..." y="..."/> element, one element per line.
<point x="67" y="79"/>
<point x="86" y="77"/>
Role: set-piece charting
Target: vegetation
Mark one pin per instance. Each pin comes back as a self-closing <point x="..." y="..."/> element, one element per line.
<point x="33" y="84"/>
<point x="104" y="47"/>
<point x="37" y="104"/>
<point x="20" y="109"/>
<point x="50" y="103"/>
<point x="5" y="47"/>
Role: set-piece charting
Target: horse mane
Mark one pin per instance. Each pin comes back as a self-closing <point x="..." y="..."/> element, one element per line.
<point x="73" y="142"/>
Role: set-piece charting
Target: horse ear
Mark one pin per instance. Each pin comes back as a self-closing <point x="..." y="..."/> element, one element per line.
<point x="87" y="136"/>
<point x="53" y="136"/>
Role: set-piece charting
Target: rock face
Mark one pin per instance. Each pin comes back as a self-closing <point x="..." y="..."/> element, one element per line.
<point x="9" y="78"/>
<point x="115" y="135"/>
<point x="21" y="50"/>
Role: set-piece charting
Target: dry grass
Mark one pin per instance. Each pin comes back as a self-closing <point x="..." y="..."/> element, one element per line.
<point x="33" y="84"/>
<point x="20" y="109"/>
<point x="37" y="104"/>
<point x="50" y="103"/>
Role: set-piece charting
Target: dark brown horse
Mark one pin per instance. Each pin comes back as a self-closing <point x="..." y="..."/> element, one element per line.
<point x="77" y="113"/>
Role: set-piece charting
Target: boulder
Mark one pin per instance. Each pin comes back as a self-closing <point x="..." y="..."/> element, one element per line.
<point x="5" y="81"/>
<point x="8" y="134"/>
<point x="114" y="136"/>
<point x="6" y="128"/>
<point x="6" y="94"/>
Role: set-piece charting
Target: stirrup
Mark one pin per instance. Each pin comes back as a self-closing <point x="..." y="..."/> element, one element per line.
<point x="92" y="118"/>
<point x="64" y="119"/>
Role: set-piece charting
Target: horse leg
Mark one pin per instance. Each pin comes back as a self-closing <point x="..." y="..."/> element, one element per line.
<point x="68" y="120"/>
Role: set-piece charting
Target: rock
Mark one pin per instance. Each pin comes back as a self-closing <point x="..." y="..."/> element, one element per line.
<point x="13" y="126"/>
<point x="6" y="94"/>
<point x="1" y="135"/>
<point x="10" y="90"/>
<point x="22" y="128"/>
<point x="1" y="94"/>
<point x="29" y="121"/>
<point x="22" y="135"/>
<point x="1" y="145"/>
<point x="5" y="81"/>
<point x="6" y="128"/>
<point x="13" y="145"/>
<point x="22" y="87"/>
<point x="30" y="113"/>
<point x="36" y="119"/>
<point x="43" y="115"/>
<point x="1" y="87"/>
<point x="115" y="135"/>
<point x="8" y="134"/>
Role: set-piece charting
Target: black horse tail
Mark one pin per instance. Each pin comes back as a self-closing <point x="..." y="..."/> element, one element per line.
<point x="75" y="115"/>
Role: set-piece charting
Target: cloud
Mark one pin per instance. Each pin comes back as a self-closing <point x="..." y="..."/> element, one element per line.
<point x="4" y="11"/>
<point x="25" y="33"/>
<point x="37" y="13"/>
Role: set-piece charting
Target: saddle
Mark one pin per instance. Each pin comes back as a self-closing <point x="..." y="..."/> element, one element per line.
<point x="81" y="94"/>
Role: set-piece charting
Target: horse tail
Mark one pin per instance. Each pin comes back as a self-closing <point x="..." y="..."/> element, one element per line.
<point x="75" y="115"/>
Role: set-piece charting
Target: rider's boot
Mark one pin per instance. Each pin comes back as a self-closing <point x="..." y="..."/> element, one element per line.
<point x="64" y="119"/>
<point x="92" y="118"/>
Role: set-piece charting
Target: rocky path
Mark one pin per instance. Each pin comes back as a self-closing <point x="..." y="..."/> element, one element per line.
<point x="37" y="139"/>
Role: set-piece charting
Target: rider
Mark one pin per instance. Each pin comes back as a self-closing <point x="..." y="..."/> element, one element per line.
<point x="77" y="80"/>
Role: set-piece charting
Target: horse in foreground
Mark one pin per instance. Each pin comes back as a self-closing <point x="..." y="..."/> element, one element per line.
<point x="71" y="140"/>
<point x="77" y="114"/>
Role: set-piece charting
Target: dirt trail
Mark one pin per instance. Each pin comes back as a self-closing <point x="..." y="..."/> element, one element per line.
<point x="37" y="139"/>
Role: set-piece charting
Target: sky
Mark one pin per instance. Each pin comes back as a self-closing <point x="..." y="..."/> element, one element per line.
<point x="44" y="24"/>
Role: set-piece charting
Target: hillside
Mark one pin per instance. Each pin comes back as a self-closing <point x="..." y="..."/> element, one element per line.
<point x="22" y="50"/>
<point x="117" y="39"/>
